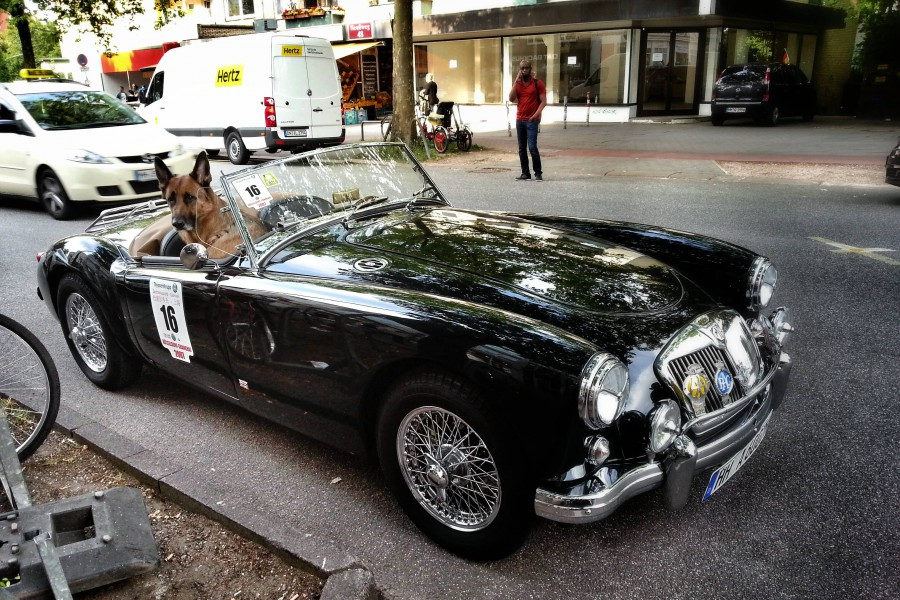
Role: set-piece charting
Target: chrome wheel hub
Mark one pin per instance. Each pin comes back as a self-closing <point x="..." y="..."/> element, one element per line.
<point x="85" y="332"/>
<point x="51" y="196"/>
<point x="448" y="468"/>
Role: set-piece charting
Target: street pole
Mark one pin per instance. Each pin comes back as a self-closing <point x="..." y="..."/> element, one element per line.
<point x="565" y="110"/>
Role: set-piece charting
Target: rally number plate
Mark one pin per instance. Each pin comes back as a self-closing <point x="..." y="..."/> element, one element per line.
<point x="727" y="470"/>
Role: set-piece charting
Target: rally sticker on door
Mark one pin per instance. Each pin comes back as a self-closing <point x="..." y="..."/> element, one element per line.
<point x="168" y="312"/>
<point x="253" y="191"/>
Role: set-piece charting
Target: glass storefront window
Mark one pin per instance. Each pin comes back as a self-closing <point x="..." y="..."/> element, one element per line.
<point x="466" y="71"/>
<point x="575" y="64"/>
<point x="807" y="55"/>
<point x="743" y="46"/>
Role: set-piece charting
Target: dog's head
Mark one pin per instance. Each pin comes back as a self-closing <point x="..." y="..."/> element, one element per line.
<point x="190" y="198"/>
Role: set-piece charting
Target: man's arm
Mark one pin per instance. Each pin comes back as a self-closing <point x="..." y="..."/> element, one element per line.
<point x="513" y="96"/>
<point x="543" y="96"/>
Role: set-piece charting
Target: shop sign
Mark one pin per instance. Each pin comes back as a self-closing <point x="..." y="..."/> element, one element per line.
<point x="360" y="31"/>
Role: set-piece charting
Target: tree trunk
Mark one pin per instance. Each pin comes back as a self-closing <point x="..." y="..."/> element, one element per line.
<point x="18" y="13"/>
<point x="404" y="110"/>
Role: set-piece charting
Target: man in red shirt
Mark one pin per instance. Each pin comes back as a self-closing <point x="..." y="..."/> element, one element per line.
<point x="531" y="96"/>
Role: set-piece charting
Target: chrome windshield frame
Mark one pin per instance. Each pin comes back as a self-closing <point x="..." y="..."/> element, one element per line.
<point x="256" y="259"/>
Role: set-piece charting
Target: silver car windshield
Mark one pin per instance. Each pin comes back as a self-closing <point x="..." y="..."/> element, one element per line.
<point x="279" y="198"/>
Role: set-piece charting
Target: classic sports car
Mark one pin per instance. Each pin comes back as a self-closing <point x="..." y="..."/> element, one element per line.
<point x="498" y="365"/>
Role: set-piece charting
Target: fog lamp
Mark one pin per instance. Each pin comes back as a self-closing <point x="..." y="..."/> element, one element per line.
<point x="597" y="448"/>
<point x="665" y="423"/>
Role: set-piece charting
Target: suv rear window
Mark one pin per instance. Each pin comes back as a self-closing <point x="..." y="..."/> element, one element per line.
<point x="743" y="73"/>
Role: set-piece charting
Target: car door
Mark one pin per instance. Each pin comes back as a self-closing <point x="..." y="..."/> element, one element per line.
<point x="154" y="110"/>
<point x="174" y="318"/>
<point x="17" y="149"/>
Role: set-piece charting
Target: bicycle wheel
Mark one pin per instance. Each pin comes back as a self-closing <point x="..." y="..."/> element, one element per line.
<point x="386" y="125"/>
<point x="464" y="140"/>
<point x="441" y="138"/>
<point x="29" y="386"/>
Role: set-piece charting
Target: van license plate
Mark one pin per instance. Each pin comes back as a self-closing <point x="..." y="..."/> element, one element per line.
<point x="295" y="133"/>
<point x="145" y="175"/>
<point x="736" y="109"/>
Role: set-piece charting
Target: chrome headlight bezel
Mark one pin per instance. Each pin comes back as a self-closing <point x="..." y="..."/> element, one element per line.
<point x="86" y="156"/>
<point x="761" y="287"/>
<point x="604" y="388"/>
<point x="665" y="426"/>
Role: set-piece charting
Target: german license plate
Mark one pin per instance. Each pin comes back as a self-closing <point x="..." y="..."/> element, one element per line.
<point x="145" y="175"/>
<point x="736" y="109"/>
<point x="295" y="133"/>
<point x="731" y="466"/>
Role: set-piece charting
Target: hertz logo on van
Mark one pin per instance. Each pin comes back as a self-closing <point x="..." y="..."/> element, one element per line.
<point x="292" y="50"/>
<point x="230" y="75"/>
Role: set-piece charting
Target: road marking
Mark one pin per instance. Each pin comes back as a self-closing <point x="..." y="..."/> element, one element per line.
<point x="873" y="253"/>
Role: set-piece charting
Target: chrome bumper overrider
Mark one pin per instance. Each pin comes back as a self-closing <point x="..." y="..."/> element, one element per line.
<point x="676" y="471"/>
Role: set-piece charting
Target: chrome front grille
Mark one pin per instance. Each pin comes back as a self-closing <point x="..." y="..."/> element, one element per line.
<point x="707" y="358"/>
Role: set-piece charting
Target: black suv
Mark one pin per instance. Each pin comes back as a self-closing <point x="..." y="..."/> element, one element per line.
<point x="765" y="92"/>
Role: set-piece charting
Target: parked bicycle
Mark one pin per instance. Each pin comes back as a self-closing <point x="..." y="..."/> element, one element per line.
<point x="441" y="127"/>
<point x="29" y="386"/>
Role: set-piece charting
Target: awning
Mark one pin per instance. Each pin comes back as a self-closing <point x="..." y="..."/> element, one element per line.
<point x="342" y="50"/>
<point x="134" y="60"/>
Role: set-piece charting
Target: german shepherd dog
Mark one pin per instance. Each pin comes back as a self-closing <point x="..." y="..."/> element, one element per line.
<point x="196" y="213"/>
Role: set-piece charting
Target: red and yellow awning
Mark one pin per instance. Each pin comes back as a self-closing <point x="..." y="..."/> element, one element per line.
<point x="134" y="60"/>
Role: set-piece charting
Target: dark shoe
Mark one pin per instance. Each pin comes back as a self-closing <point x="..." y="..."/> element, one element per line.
<point x="523" y="177"/>
<point x="537" y="177"/>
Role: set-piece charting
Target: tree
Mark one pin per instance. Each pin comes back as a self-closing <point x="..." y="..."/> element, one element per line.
<point x="403" y="127"/>
<point x="45" y="37"/>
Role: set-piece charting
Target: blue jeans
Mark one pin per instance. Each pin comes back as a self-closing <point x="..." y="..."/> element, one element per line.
<point x="527" y="133"/>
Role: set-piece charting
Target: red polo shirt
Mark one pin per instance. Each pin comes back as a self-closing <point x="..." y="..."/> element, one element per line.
<point x="529" y="95"/>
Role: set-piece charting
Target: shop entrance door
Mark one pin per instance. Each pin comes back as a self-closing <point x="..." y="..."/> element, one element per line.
<point x="670" y="72"/>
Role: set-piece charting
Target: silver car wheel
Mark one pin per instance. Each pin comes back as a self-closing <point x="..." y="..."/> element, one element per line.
<point x="448" y="468"/>
<point x="52" y="195"/>
<point x="234" y="149"/>
<point x="85" y="332"/>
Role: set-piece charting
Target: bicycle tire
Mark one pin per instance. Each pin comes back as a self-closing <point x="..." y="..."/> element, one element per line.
<point x="386" y="131"/>
<point x="47" y="419"/>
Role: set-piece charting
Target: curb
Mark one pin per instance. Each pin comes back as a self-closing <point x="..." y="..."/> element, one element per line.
<point x="345" y="577"/>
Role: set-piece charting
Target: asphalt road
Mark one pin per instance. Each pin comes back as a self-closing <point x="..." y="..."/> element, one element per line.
<point x="812" y="515"/>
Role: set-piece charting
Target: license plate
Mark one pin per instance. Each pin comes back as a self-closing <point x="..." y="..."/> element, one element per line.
<point x="736" y="109"/>
<point x="145" y="175"/>
<point x="295" y="133"/>
<point x="727" y="470"/>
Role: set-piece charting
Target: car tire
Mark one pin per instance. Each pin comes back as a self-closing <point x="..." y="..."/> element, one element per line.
<point x="717" y="121"/>
<point x="53" y="196"/>
<point x="237" y="151"/>
<point x="213" y="153"/>
<point x="807" y="117"/>
<point x="434" y="501"/>
<point x="774" y="117"/>
<point x="90" y="337"/>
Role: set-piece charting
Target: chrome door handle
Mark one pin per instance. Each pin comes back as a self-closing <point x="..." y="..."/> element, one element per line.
<point x="317" y="110"/>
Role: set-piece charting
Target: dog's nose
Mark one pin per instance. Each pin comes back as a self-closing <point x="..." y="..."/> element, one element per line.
<point x="178" y="224"/>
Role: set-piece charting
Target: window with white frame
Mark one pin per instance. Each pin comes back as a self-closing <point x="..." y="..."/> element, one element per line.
<point x="241" y="8"/>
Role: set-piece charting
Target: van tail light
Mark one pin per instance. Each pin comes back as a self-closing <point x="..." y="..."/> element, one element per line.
<point x="767" y="81"/>
<point x="269" y="111"/>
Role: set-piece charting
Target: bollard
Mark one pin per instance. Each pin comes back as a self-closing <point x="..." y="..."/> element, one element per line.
<point x="565" y="109"/>
<point x="587" y="119"/>
<point x="508" y="124"/>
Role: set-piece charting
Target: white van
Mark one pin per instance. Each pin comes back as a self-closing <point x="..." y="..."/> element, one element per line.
<point x="263" y="91"/>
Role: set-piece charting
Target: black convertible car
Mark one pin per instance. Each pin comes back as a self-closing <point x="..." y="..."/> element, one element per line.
<point x="498" y="365"/>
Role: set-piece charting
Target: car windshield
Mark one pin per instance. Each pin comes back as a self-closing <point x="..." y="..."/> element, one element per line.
<point x="77" y="110"/>
<point x="279" y="198"/>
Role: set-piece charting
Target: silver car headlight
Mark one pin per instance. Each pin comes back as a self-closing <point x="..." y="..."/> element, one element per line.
<point x="604" y="388"/>
<point x="665" y="423"/>
<point x="761" y="288"/>
<point x="86" y="156"/>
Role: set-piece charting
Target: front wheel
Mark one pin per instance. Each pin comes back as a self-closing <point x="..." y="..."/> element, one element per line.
<point x="441" y="138"/>
<point x="53" y="196"/>
<point x="453" y="466"/>
<point x="237" y="151"/>
<point x="90" y="339"/>
<point x="464" y="140"/>
<point x="29" y="387"/>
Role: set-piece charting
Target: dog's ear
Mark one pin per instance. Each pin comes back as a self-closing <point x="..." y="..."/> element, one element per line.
<point x="201" y="174"/>
<point x="163" y="174"/>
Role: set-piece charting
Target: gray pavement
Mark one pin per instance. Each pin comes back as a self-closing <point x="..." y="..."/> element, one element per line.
<point x="813" y="514"/>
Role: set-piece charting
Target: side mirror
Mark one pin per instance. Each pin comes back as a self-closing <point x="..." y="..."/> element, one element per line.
<point x="9" y="126"/>
<point x="194" y="256"/>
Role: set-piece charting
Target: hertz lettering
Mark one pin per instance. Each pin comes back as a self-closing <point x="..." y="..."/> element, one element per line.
<point x="292" y="50"/>
<point x="229" y="76"/>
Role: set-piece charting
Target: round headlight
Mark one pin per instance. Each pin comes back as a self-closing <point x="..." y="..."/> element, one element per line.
<point x="604" y="387"/>
<point x="665" y="423"/>
<point x="597" y="448"/>
<point x="762" y="283"/>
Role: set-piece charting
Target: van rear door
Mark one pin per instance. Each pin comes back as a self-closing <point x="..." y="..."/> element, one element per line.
<point x="325" y="85"/>
<point x="306" y="88"/>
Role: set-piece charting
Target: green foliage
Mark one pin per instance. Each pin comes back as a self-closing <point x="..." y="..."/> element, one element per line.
<point x="44" y="36"/>
<point x="879" y="22"/>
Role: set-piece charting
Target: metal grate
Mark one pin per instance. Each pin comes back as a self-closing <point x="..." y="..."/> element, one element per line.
<point x="707" y="359"/>
<point x="143" y="158"/>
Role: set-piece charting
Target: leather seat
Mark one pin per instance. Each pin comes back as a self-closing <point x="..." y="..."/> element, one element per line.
<point x="171" y="244"/>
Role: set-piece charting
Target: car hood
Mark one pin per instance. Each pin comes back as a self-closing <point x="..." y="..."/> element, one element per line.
<point x="124" y="140"/>
<point x="525" y="259"/>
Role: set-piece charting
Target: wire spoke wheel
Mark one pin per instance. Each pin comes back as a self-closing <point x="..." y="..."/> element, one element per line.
<point x="86" y="333"/>
<point x="29" y="386"/>
<point x="448" y="468"/>
<point x="440" y="140"/>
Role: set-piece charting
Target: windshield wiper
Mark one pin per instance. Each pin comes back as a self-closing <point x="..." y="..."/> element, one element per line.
<point x="370" y="201"/>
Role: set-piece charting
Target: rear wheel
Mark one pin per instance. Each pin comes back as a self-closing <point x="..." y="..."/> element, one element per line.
<point x="53" y="196"/>
<point x="237" y="151"/>
<point x="452" y="464"/>
<point x="717" y="121"/>
<point x="212" y="153"/>
<point x="774" y="117"/>
<point x="441" y="138"/>
<point x="464" y="140"/>
<point x="90" y="338"/>
<point x="387" y="123"/>
<point x="808" y="116"/>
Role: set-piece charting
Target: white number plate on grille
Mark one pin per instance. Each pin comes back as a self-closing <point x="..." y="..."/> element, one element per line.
<point x="295" y="132"/>
<point x="736" y="109"/>
<point x="145" y="175"/>
<point x="731" y="466"/>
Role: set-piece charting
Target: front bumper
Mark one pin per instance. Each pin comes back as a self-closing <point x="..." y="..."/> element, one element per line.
<point x="675" y="472"/>
<point x="755" y="110"/>
<point x="892" y="173"/>
<point x="115" y="182"/>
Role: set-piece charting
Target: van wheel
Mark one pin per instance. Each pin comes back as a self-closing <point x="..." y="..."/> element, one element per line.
<point x="237" y="151"/>
<point x="212" y="153"/>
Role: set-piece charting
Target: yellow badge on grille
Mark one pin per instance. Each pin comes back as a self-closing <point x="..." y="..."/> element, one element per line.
<point x="696" y="384"/>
